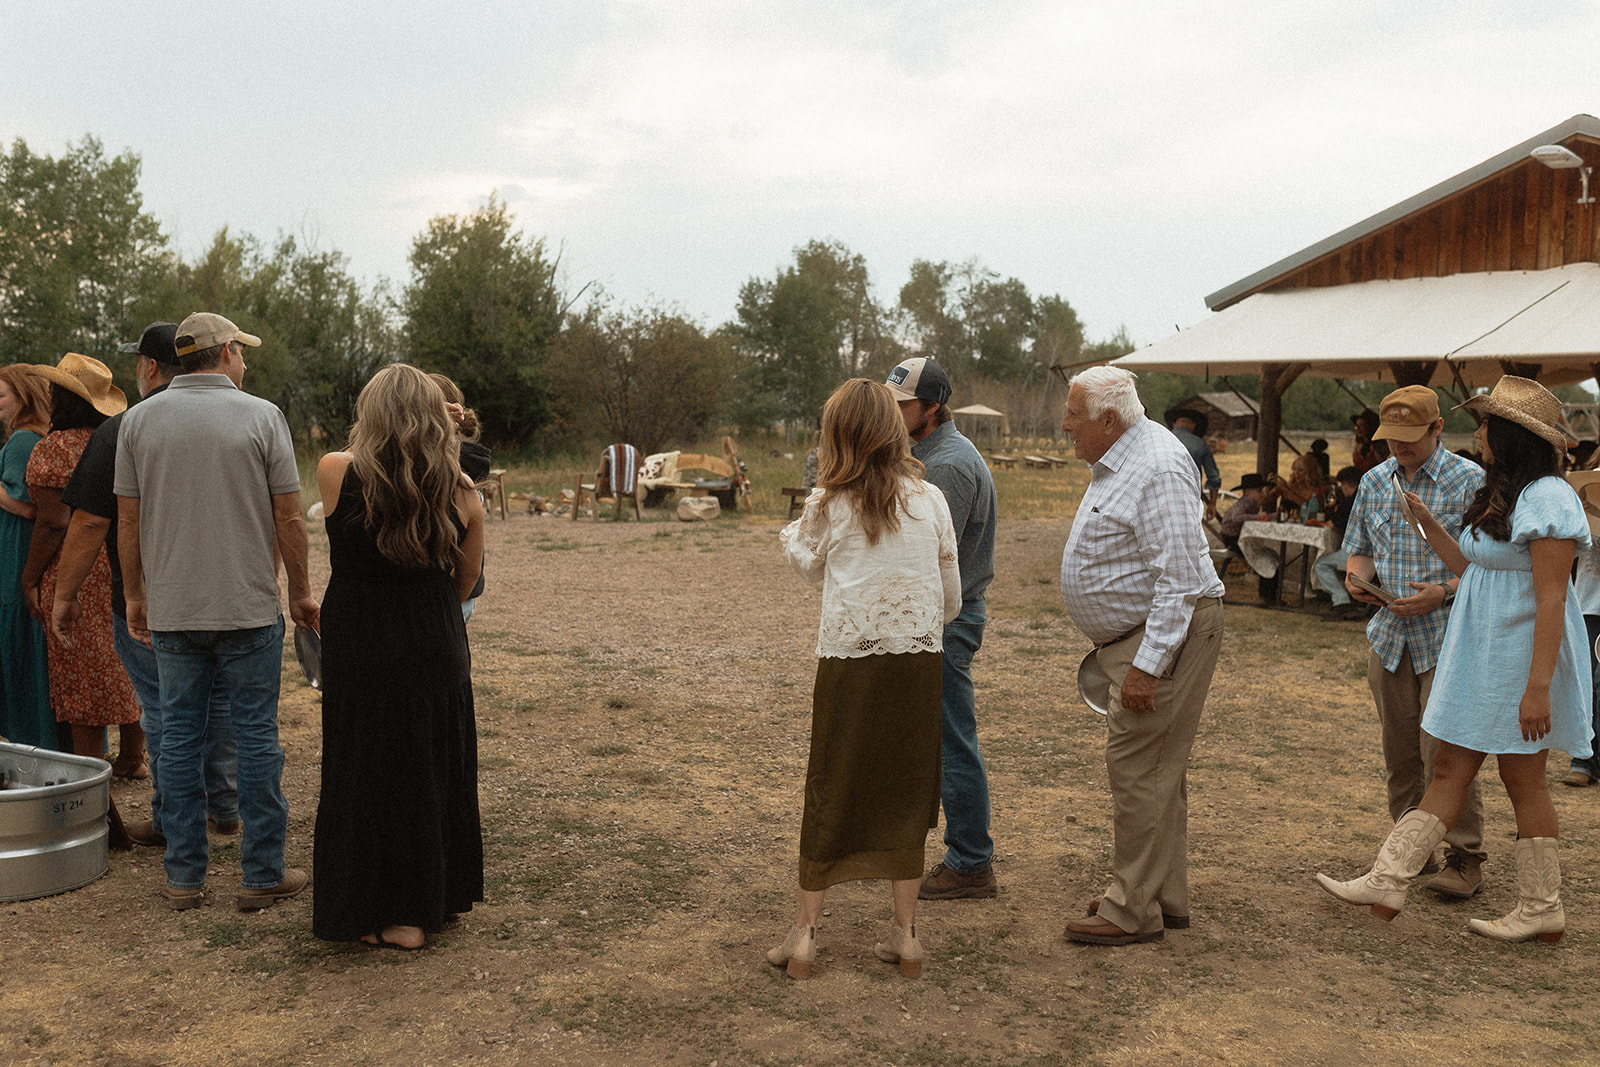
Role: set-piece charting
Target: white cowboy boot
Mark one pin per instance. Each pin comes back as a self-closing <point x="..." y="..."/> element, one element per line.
<point x="1538" y="912"/>
<point x="1404" y="851"/>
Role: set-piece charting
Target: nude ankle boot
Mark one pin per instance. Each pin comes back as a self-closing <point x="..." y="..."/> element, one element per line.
<point x="797" y="953"/>
<point x="902" y="948"/>
<point x="1538" y="912"/>
<point x="1399" y="861"/>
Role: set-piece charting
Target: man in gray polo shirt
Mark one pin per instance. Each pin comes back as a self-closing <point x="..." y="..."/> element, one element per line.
<point x="206" y="481"/>
<point x="954" y="465"/>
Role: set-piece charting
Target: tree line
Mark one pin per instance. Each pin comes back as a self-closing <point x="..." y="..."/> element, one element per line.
<point x="83" y="267"/>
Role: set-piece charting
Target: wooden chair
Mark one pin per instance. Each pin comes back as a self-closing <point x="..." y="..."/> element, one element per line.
<point x="797" y="501"/>
<point x="617" y="477"/>
<point x="493" y="489"/>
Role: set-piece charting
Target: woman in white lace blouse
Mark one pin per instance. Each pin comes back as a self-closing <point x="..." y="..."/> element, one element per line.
<point x="880" y="541"/>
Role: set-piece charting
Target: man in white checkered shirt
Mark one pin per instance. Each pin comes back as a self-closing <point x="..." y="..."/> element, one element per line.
<point x="1407" y="634"/>
<point x="1137" y="579"/>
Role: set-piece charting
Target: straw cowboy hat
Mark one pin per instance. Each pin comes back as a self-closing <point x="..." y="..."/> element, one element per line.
<point x="87" y="377"/>
<point x="1526" y="403"/>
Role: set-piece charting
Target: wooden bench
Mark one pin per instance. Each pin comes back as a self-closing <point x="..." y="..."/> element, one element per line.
<point x="998" y="460"/>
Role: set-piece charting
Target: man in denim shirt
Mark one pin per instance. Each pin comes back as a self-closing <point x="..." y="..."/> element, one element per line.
<point x="954" y="465"/>
<point x="1407" y="633"/>
<point x="1189" y="426"/>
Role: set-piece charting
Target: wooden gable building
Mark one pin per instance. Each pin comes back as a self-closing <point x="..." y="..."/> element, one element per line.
<point x="1496" y="270"/>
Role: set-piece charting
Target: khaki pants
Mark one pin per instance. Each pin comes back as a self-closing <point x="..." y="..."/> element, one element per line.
<point x="1147" y="766"/>
<point x="1408" y="751"/>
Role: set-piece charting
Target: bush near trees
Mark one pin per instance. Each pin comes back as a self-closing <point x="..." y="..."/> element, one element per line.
<point x="84" y="267"/>
<point x="646" y="376"/>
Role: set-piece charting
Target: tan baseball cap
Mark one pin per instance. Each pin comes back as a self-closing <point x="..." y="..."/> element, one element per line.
<point x="204" y="330"/>
<point x="1406" y="414"/>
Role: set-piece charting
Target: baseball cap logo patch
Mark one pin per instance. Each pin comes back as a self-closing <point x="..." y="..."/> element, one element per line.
<point x="919" y="378"/>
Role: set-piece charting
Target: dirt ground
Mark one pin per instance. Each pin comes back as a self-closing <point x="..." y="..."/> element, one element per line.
<point x="643" y="703"/>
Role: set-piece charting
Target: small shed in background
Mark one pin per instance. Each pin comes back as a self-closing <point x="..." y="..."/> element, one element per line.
<point x="1229" y="416"/>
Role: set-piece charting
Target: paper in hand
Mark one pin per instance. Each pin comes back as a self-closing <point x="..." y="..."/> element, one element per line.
<point x="1405" y="508"/>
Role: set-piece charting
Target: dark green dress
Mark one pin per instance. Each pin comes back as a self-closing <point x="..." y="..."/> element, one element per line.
<point x="27" y="718"/>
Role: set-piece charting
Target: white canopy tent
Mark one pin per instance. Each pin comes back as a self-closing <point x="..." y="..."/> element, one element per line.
<point x="1470" y="324"/>
<point x="980" y="416"/>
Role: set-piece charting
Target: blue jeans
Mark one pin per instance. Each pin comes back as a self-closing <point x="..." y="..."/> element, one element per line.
<point x="1326" y="571"/>
<point x="1591" y="766"/>
<point x="222" y="752"/>
<point x="246" y="664"/>
<point x="964" y="787"/>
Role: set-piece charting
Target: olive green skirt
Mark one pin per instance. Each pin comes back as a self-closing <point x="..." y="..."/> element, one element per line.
<point x="872" y="783"/>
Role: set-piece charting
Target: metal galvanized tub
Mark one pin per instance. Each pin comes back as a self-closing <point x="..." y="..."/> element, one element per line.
<point x="53" y="830"/>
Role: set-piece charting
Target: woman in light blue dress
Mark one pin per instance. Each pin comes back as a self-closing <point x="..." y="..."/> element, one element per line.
<point x="1513" y="675"/>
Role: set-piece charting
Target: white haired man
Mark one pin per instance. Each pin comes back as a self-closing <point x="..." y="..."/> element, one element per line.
<point x="1137" y="579"/>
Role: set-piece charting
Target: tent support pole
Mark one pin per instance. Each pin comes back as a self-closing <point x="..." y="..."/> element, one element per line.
<point x="1275" y="378"/>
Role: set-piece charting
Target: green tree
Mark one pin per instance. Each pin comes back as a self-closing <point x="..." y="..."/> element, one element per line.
<point x="483" y="308"/>
<point x="78" y="253"/>
<point x="333" y="335"/>
<point x="1001" y="321"/>
<point x="980" y="325"/>
<point x="805" y="330"/>
<point x="1058" y="335"/>
<point x="646" y="376"/>
<point x="322" y="336"/>
<point x="934" y="326"/>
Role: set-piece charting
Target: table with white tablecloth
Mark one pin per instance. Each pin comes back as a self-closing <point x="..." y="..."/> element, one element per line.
<point x="1266" y="547"/>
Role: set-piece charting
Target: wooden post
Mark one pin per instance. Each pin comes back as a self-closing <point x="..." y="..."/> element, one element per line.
<point x="1275" y="378"/>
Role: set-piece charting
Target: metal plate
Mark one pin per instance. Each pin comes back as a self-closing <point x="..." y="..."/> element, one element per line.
<point x="308" y="650"/>
<point x="1093" y="684"/>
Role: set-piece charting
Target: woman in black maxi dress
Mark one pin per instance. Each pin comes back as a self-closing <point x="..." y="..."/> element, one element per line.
<point x="398" y="844"/>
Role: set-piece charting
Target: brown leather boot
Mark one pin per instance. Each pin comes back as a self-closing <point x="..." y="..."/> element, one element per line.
<point x="942" y="883"/>
<point x="1461" y="878"/>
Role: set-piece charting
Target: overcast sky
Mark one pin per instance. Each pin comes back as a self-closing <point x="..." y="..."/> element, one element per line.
<point x="1131" y="157"/>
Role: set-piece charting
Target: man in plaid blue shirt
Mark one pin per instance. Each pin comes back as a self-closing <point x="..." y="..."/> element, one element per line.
<point x="1407" y="633"/>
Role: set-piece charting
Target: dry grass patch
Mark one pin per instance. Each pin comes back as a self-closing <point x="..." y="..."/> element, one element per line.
<point x="643" y="700"/>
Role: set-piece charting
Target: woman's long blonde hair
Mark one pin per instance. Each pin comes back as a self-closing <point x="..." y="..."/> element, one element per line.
<point x="33" y="398"/>
<point x="404" y="449"/>
<point x="864" y="454"/>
